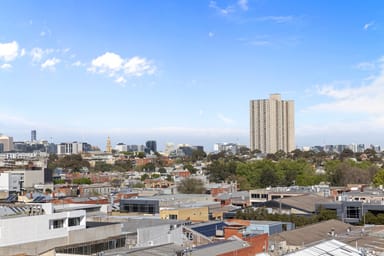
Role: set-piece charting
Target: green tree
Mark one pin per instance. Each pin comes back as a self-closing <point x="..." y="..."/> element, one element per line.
<point x="378" y="179"/>
<point x="83" y="180"/>
<point x="140" y="155"/>
<point x="149" y="167"/>
<point x="350" y="172"/>
<point x="190" y="168"/>
<point x="144" y="177"/>
<point x="58" y="182"/>
<point x="122" y="165"/>
<point x="346" y="154"/>
<point x="325" y="214"/>
<point x="222" y="170"/>
<point x="198" y="154"/>
<point x="191" y="186"/>
<point x="269" y="177"/>
<point x="169" y="177"/>
<point x="244" y="150"/>
<point x="72" y="162"/>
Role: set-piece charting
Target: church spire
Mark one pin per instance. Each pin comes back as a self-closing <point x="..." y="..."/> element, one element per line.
<point x="108" y="148"/>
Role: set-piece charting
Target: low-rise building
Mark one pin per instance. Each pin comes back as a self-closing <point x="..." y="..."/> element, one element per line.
<point x="35" y="229"/>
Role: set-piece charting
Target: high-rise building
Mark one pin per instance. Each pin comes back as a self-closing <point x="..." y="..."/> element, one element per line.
<point x="150" y="146"/>
<point x="33" y="135"/>
<point x="272" y="124"/>
<point x="7" y="143"/>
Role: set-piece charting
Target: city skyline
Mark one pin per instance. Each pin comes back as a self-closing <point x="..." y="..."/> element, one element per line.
<point x="185" y="72"/>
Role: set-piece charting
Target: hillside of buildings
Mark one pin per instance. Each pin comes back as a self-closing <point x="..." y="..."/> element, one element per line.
<point x="197" y="202"/>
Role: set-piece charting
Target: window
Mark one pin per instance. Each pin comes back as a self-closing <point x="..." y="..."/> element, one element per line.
<point x="74" y="222"/>
<point x="57" y="224"/>
<point x="353" y="212"/>
<point x="173" y="216"/>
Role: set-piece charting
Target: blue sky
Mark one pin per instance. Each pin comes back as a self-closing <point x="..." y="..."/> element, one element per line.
<point x="184" y="71"/>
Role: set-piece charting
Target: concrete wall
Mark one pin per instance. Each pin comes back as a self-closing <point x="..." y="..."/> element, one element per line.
<point x="158" y="235"/>
<point x="94" y="233"/>
<point x="31" y="177"/>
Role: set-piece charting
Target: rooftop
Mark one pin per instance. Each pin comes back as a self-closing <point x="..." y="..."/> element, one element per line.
<point x="311" y="233"/>
<point x="305" y="202"/>
<point x="328" y="248"/>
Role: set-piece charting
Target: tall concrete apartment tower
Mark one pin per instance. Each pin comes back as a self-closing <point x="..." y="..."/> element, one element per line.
<point x="272" y="123"/>
<point x="33" y="135"/>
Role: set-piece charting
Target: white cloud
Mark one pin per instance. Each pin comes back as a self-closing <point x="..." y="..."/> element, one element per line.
<point x="362" y="104"/>
<point x="243" y="4"/>
<point x="119" y="68"/>
<point x="276" y="19"/>
<point x="349" y="112"/>
<point x="108" y="62"/>
<point x="137" y="66"/>
<point x="366" y="65"/>
<point x="259" y="42"/>
<point x="77" y="64"/>
<point x="120" y="80"/>
<point x="22" y="52"/>
<point x="223" y="11"/>
<point x="9" y="51"/>
<point x="211" y="34"/>
<point x="50" y="64"/>
<point x="225" y="119"/>
<point x="6" y="66"/>
<point x="37" y="54"/>
<point x="368" y="25"/>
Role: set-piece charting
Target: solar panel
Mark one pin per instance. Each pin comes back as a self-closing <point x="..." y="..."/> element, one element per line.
<point x="39" y="199"/>
<point x="11" y="198"/>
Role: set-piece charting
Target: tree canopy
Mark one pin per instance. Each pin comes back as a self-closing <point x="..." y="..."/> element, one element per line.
<point x="191" y="186"/>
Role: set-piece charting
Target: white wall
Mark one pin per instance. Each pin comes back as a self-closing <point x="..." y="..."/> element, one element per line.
<point x="4" y="181"/>
<point x="36" y="228"/>
<point x="158" y="235"/>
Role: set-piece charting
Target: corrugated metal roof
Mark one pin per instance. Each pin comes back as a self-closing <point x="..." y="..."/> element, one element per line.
<point x="219" y="248"/>
<point x="311" y="233"/>
<point x="329" y="248"/>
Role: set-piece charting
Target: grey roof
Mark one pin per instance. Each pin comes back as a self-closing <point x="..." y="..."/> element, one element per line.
<point x="130" y="225"/>
<point x="162" y="250"/>
<point x="328" y="248"/>
<point x="219" y="247"/>
<point x="311" y="233"/>
<point x="369" y="237"/>
<point x="238" y="194"/>
<point x="305" y="202"/>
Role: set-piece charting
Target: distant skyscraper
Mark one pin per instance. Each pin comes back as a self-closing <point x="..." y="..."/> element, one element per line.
<point x="272" y="124"/>
<point x="33" y="135"/>
<point x="108" y="147"/>
<point x="7" y="143"/>
<point x="150" y="145"/>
